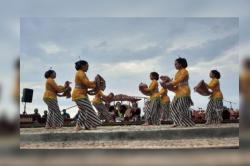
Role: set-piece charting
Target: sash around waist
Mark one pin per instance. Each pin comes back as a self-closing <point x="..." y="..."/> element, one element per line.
<point x="183" y="84"/>
<point x="80" y="86"/>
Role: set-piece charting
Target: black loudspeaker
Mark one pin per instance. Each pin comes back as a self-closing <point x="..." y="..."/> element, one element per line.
<point x="226" y="114"/>
<point x="27" y="95"/>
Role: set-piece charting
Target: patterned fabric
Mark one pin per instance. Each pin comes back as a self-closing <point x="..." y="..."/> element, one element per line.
<point x="103" y="112"/>
<point x="180" y="113"/>
<point x="146" y="110"/>
<point x="165" y="114"/>
<point x="153" y="111"/>
<point x="87" y="116"/>
<point x="54" y="118"/>
<point x="214" y="112"/>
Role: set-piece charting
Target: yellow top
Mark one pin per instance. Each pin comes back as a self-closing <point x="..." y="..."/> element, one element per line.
<point x="51" y="89"/>
<point x="98" y="97"/>
<point x="153" y="88"/>
<point x="214" y="85"/>
<point x="82" y="80"/>
<point x="181" y="83"/>
<point x="164" y="96"/>
<point x="245" y="84"/>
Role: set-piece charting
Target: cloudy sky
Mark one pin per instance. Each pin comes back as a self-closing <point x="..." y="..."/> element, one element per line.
<point x="125" y="50"/>
<point x="12" y="11"/>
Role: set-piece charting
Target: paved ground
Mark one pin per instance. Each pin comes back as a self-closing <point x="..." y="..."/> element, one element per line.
<point x="104" y="129"/>
<point x="159" y="144"/>
<point x="190" y="143"/>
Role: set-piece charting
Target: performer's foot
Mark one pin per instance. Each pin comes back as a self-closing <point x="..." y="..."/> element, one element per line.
<point x="174" y="125"/>
<point x="86" y="128"/>
<point x="187" y="126"/>
<point x="47" y="127"/>
<point x="57" y="127"/>
<point x="145" y="124"/>
<point x="111" y="121"/>
<point x="77" y="128"/>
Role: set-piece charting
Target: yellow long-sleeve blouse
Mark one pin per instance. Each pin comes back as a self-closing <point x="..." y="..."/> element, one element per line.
<point x="214" y="85"/>
<point x="98" y="97"/>
<point x="82" y="84"/>
<point x="181" y="83"/>
<point x="51" y="89"/>
<point x="153" y="88"/>
<point x="164" y="96"/>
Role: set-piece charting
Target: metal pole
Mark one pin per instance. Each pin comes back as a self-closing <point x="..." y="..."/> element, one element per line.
<point x="70" y="107"/>
<point x="24" y="108"/>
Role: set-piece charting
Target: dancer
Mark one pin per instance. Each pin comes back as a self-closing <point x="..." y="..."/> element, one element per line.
<point x="165" y="104"/>
<point x="100" y="107"/>
<point x="215" y="105"/>
<point x="87" y="116"/>
<point x="54" y="119"/>
<point x="180" y="113"/>
<point x="152" y="111"/>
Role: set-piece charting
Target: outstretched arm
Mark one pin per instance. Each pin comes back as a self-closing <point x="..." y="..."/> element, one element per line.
<point x="57" y="88"/>
<point x="183" y="75"/>
<point x="212" y="84"/>
<point x="87" y="82"/>
<point x="152" y="86"/>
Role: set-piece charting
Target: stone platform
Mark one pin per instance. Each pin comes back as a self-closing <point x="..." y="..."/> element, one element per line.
<point x="133" y="137"/>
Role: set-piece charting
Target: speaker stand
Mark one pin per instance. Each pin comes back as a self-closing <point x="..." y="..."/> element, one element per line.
<point x="24" y="111"/>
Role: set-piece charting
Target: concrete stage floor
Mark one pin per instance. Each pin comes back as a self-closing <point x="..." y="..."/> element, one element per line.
<point x="133" y="137"/>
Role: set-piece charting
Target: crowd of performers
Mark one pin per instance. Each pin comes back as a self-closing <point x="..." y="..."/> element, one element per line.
<point x="158" y="107"/>
<point x="178" y="109"/>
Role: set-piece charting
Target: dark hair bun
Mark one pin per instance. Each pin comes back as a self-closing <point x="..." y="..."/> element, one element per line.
<point x="48" y="73"/>
<point x="79" y="64"/>
<point x="182" y="62"/>
<point x="216" y="74"/>
<point x="155" y="75"/>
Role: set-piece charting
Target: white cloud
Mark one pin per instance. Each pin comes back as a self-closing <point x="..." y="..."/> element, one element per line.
<point x="196" y="39"/>
<point x="131" y="68"/>
<point x="227" y="62"/>
<point x="136" y="43"/>
<point x="145" y="46"/>
<point x="32" y="85"/>
<point x="51" y="48"/>
<point x="183" y="44"/>
<point x="244" y="50"/>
